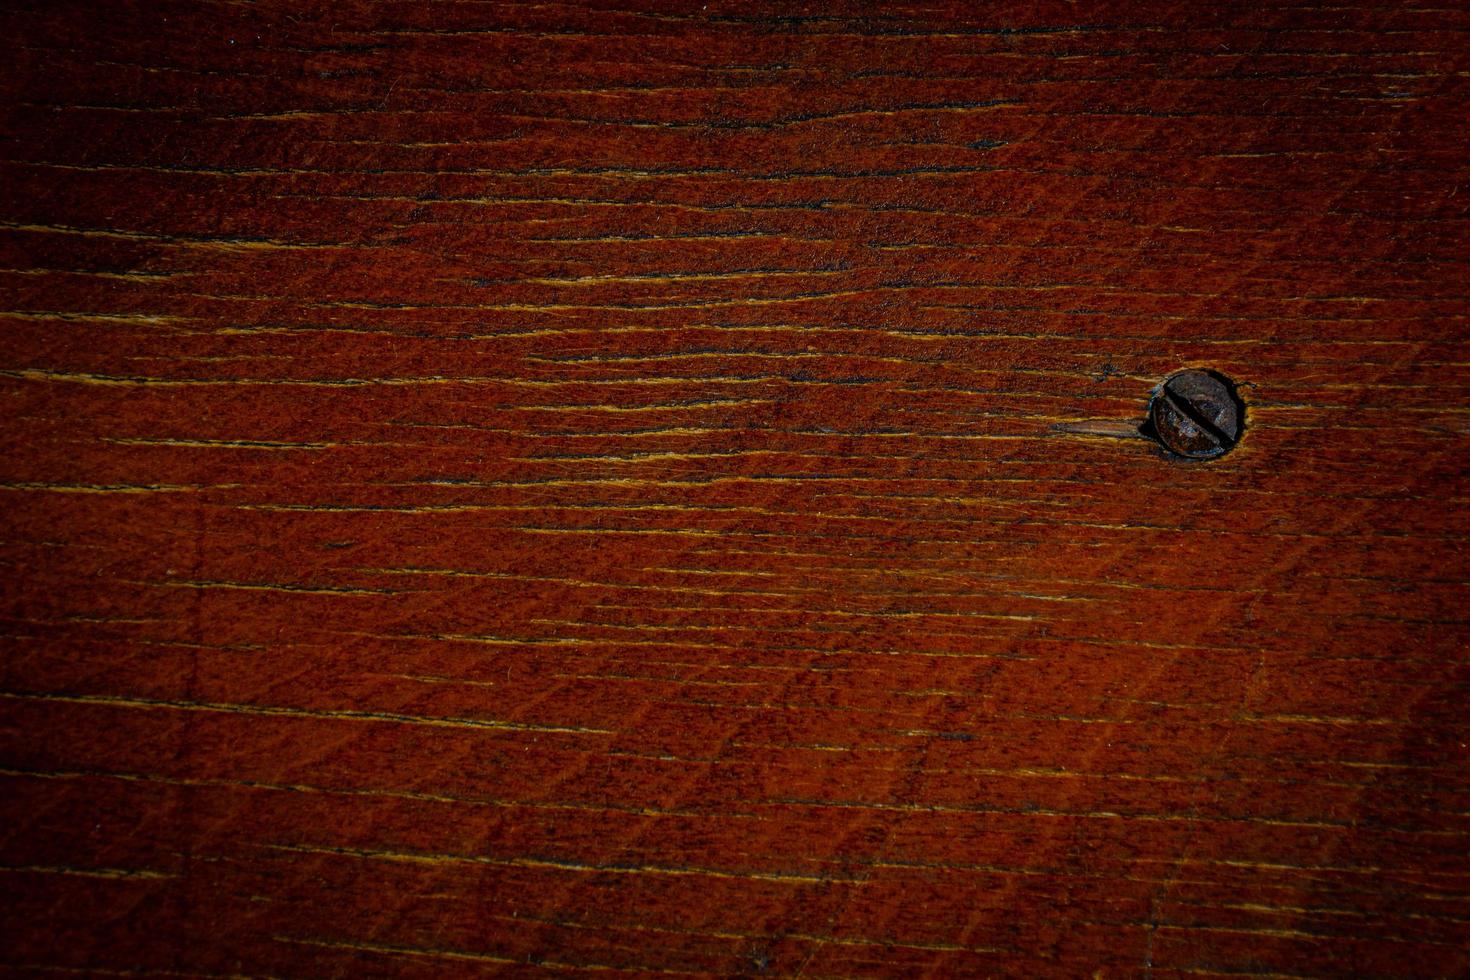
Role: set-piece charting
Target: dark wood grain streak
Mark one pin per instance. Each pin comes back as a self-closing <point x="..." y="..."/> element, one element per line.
<point x="494" y="488"/>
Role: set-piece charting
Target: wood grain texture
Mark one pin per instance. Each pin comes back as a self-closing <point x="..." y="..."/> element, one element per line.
<point x="518" y="488"/>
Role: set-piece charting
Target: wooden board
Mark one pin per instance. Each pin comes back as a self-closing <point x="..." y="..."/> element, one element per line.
<point x="509" y="488"/>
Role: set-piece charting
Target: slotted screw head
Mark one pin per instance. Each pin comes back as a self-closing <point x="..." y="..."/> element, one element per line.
<point x="1196" y="414"/>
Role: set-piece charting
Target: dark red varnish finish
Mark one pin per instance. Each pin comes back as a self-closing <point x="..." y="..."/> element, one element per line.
<point x="506" y="488"/>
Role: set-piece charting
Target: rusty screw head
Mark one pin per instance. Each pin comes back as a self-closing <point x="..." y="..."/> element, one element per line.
<point x="1196" y="414"/>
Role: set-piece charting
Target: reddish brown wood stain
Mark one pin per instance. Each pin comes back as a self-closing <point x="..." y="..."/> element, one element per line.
<point x="496" y="488"/>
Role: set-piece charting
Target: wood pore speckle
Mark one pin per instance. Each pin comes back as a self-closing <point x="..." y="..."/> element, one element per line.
<point x="653" y="487"/>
